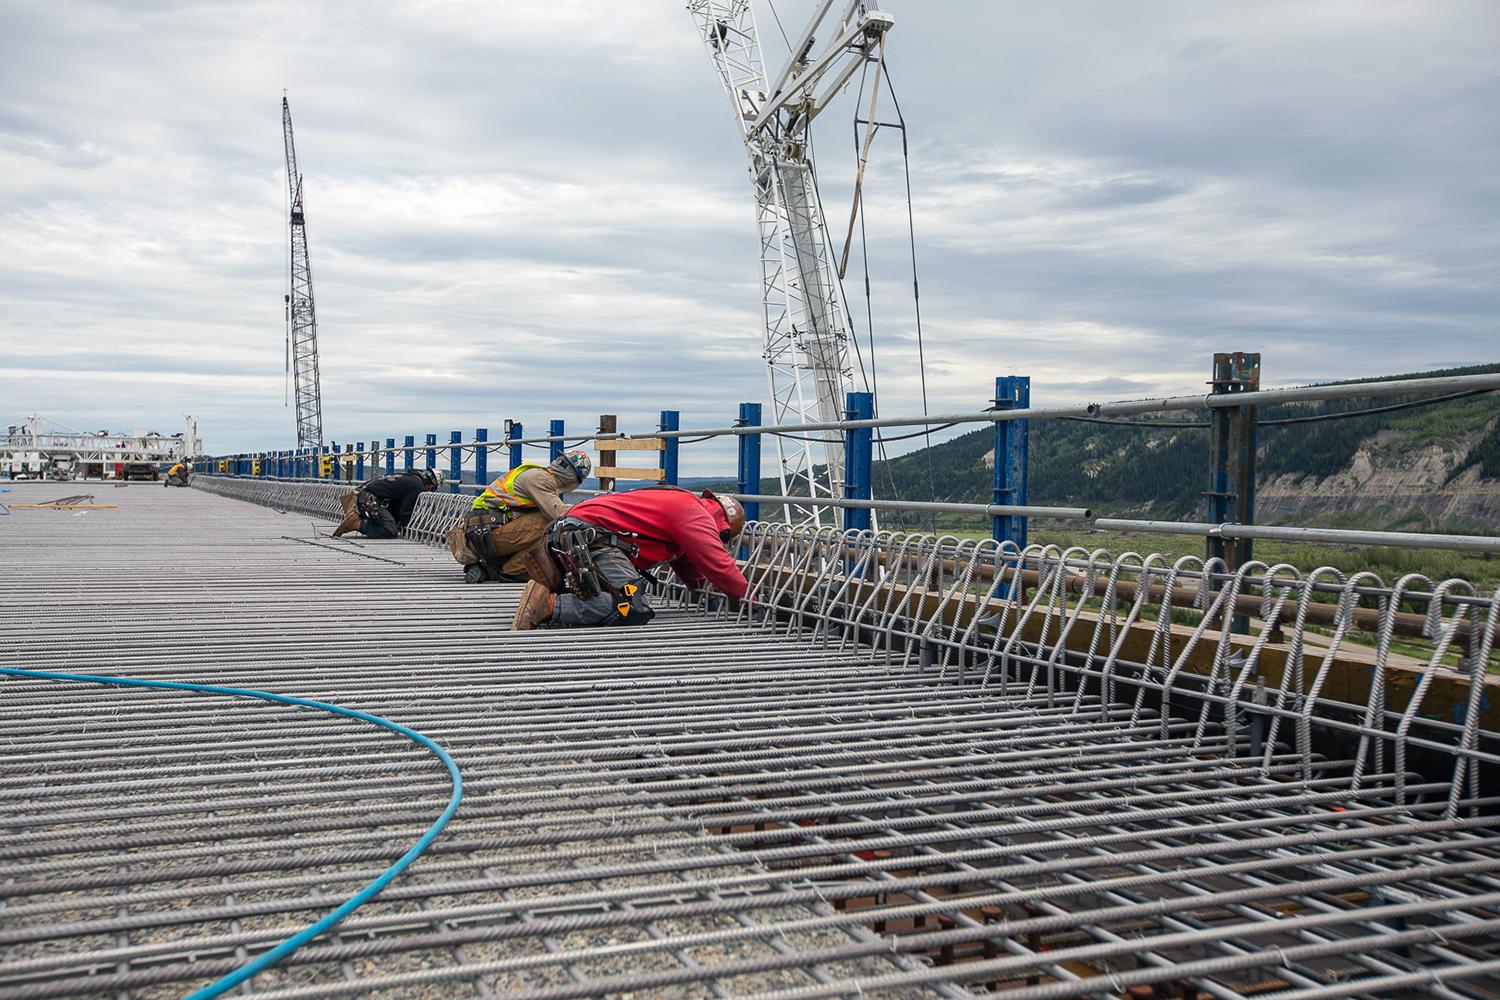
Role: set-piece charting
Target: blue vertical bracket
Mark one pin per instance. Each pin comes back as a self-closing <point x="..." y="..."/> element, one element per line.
<point x="481" y="456"/>
<point x="429" y="460"/>
<point x="390" y="455"/>
<point x="858" y="448"/>
<point x="410" y="450"/>
<point x="667" y="458"/>
<point x="555" y="448"/>
<point x="515" y="449"/>
<point x="455" y="461"/>
<point x="749" y="447"/>
<point x="1012" y="445"/>
<point x="359" y="461"/>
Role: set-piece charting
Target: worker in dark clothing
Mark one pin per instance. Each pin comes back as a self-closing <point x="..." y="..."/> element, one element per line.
<point x="512" y="514"/>
<point x="593" y="568"/>
<point x="177" y="475"/>
<point x="384" y="506"/>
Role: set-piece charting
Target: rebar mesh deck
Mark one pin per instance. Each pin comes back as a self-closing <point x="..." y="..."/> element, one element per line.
<point x="698" y="808"/>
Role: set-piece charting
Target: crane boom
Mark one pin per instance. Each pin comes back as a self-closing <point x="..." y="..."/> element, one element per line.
<point x="301" y="316"/>
<point x="805" y="340"/>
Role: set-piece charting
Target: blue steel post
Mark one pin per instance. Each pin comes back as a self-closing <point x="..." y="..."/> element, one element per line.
<point x="409" y="445"/>
<point x="515" y="448"/>
<point x="555" y="448"/>
<point x="390" y="456"/>
<point x="858" y="445"/>
<point x="749" y="475"/>
<point x="455" y="461"/>
<point x="430" y="459"/>
<point x="481" y="457"/>
<point x="1012" y="441"/>
<point x="667" y="459"/>
<point x="359" y="462"/>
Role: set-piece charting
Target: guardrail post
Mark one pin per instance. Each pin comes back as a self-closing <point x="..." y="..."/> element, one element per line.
<point x="1012" y="451"/>
<point x="666" y="460"/>
<point x="430" y="459"/>
<point x="409" y="444"/>
<point x="555" y="448"/>
<point x="481" y="457"/>
<point x="455" y="461"/>
<point x="390" y="456"/>
<point x="1231" y="492"/>
<point x="514" y="434"/>
<point x="608" y="424"/>
<point x="749" y="471"/>
<point x="359" y="462"/>
<point x="858" y="446"/>
<point x="349" y="461"/>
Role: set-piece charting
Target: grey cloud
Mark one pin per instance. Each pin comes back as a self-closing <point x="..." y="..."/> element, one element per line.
<point x="533" y="211"/>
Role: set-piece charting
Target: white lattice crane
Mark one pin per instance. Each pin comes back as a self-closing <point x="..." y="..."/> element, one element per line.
<point x="301" y="316"/>
<point x="806" y="343"/>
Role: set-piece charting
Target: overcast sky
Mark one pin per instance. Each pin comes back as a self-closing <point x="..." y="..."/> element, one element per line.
<point x="540" y="209"/>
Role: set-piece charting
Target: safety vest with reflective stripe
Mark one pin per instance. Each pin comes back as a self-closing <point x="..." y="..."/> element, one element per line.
<point x="501" y="494"/>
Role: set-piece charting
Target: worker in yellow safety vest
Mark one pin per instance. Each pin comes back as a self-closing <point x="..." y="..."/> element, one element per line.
<point x="177" y="475"/>
<point x="512" y="514"/>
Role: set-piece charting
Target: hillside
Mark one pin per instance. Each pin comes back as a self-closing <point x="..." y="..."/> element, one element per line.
<point x="1430" y="466"/>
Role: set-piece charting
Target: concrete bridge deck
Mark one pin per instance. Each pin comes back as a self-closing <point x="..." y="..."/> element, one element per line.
<point x="702" y="807"/>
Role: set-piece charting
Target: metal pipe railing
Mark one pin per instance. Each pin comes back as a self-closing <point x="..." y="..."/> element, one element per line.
<point x="1210" y="401"/>
<point x="1335" y="536"/>
<point x="981" y="509"/>
<point x="1132" y="407"/>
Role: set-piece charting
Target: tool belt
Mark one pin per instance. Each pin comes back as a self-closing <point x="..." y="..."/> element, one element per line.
<point x="572" y="541"/>
<point x="477" y="528"/>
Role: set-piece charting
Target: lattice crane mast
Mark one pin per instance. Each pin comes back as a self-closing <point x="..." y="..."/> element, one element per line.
<point x="301" y="316"/>
<point x="805" y="341"/>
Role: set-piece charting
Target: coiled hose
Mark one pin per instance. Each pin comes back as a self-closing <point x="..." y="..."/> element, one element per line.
<point x="269" y="958"/>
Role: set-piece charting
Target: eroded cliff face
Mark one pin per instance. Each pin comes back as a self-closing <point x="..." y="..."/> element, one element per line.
<point x="1390" y="476"/>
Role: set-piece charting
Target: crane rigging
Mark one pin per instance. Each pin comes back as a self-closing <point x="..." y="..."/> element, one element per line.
<point x="805" y="341"/>
<point x="301" y="317"/>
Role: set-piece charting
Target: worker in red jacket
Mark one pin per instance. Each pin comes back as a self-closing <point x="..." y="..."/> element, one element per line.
<point x="592" y="570"/>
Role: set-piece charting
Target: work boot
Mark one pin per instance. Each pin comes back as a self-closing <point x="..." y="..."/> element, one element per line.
<point x="348" y="524"/>
<point x="535" y="608"/>
<point x="542" y="568"/>
<point x="347" y="501"/>
<point x="474" y="573"/>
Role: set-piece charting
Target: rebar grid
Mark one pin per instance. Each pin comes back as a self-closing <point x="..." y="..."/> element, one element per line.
<point x="842" y="788"/>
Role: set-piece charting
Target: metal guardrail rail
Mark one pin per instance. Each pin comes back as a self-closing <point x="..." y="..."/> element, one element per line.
<point x="908" y="767"/>
<point x="1227" y="528"/>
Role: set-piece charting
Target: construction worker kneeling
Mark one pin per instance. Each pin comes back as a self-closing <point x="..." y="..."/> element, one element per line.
<point x="382" y="507"/>
<point x="592" y="569"/>
<point x="512" y="514"/>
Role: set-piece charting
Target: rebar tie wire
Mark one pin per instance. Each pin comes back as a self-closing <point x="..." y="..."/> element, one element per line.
<point x="269" y="958"/>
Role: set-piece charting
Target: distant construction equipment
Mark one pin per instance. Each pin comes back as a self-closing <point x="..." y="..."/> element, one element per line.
<point x="38" y="448"/>
<point x="301" y="316"/>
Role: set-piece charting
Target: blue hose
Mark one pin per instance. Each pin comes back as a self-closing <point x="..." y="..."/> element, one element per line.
<point x="267" y="959"/>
